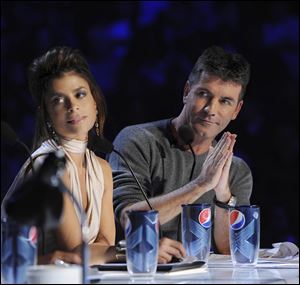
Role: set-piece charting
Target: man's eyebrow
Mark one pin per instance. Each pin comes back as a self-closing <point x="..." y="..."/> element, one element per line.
<point x="203" y="89"/>
<point x="227" y="97"/>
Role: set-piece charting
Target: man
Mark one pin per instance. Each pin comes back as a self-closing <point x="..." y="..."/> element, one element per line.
<point x="212" y="97"/>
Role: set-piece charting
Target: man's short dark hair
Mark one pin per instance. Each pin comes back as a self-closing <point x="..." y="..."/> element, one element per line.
<point x="225" y="65"/>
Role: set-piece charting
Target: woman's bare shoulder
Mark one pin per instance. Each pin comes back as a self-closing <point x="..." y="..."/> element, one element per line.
<point x="104" y="165"/>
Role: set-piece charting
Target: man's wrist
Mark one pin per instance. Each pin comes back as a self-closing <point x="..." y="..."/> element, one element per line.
<point x="225" y="205"/>
<point x="224" y="198"/>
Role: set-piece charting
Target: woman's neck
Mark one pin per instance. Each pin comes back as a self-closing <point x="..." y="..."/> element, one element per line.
<point x="76" y="149"/>
<point x="79" y="160"/>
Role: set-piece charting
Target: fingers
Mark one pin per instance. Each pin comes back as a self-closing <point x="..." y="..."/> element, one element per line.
<point x="217" y="163"/>
<point x="228" y="161"/>
<point x="169" y="248"/>
<point x="224" y="158"/>
<point x="71" y="257"/>
<point x="221" y="142"/>
<point x="226" y="143"/>
<point x="67" y="257"/>
<point x="233" y="140"/>
<point x="164" y="258"/>
<point x="218" y="146"/>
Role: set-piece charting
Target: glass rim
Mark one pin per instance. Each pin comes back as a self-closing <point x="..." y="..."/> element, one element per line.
<point x="246" y="207"/>
<point x="197" y="205"/>
<point x="141" y="211"/>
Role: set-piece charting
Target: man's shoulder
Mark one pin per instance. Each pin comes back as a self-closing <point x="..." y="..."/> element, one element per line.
<point x="144" y="128"/>
<point x="239" y="163"/>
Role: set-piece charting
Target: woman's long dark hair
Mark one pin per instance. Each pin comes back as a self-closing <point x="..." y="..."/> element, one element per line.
<point x="52" y="65"/>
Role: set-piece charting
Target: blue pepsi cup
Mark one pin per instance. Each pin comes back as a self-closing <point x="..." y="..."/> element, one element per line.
<point x="18" y="251"/>
<point x="244" y="235"/>
<point x="142" y="234"/>
<point x="196" y="230"/>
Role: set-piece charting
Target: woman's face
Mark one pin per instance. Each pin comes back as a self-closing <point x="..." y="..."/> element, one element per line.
<point x="71" y="106"/>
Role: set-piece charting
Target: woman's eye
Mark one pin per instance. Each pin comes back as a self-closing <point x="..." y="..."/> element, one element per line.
<point x="57" y="100"/>
<point x="81" y="94"/>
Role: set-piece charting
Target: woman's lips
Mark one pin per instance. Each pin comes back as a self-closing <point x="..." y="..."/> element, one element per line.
<point x="76" y="120"/>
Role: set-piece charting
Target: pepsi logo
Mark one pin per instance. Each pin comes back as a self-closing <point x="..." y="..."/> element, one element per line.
<point x="32" y="235"/>
<point x="205" y="218"/>
<point x="237" y="219"/>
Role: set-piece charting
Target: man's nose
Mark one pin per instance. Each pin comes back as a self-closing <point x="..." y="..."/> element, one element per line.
<point x="210" y="108"/>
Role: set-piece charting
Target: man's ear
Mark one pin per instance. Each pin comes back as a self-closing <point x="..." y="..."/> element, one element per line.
<point x="237" y="110"/>
<point x="186" y="91"/>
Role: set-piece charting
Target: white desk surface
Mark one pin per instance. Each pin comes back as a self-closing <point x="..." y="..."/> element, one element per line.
<point x="218" y="270"/>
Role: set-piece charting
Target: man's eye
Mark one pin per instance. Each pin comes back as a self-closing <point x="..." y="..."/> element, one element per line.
<point x="202" y="94"/>
<point x="227" y="102"/>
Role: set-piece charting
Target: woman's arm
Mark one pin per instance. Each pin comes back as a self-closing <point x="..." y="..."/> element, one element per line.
<point x="69" y="233"/>
<point x="102" y="250"/>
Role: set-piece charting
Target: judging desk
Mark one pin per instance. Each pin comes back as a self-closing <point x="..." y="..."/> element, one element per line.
<point x="218" y="270"/>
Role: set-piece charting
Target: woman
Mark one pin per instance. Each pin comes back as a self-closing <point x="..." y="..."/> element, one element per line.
<point x="70" y="105"/>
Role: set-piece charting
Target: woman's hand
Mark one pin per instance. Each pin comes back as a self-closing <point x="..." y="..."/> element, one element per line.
<point x="169" y="248"/>
<point x="58" y="256"/>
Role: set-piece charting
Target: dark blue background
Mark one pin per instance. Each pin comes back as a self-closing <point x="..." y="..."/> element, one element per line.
<point x="141" y="54"/>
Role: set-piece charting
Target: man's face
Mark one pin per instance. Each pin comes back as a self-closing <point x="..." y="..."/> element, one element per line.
<point x="211" y="104"/>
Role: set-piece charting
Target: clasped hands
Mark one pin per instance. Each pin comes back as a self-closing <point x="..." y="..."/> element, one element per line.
<point x="215" y="170"/>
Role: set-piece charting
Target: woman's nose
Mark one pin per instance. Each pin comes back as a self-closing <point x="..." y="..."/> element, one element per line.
<point x="72" y="106"/>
